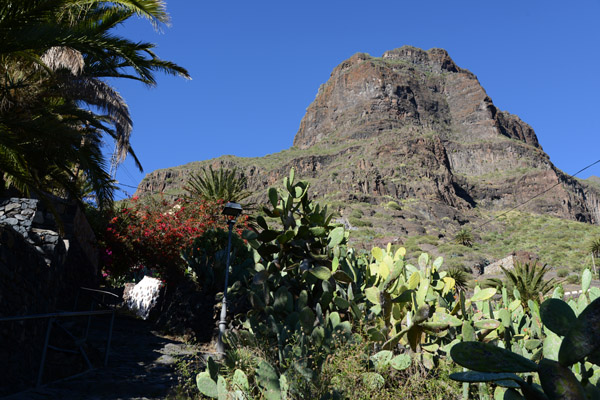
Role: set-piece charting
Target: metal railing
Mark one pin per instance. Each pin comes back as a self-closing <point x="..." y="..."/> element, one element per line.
<point x="54" y="318"/>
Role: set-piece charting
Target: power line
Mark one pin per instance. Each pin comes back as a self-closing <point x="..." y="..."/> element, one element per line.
<point x="127" y="172"/>
<point x="517" y="206"/>
<point x="583" y="169"/>
<point x="129" y="186"/>
<point x="146" y="190"/>
<point x="477" y="227"/>
<point x="122" y="197"/>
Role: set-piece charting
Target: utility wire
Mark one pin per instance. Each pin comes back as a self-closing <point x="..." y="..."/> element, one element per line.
<point x="145" y="190"/>
<point x="129" y="186"/>
<point x="477" y="227"/>
<point x="126" y="170"/>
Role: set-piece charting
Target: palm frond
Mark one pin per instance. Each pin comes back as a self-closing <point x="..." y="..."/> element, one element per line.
<point x="53" y="56"/>
<point x="594" y="247"/>
<point x="58" y="57"/>
<point x="528" y="279"/>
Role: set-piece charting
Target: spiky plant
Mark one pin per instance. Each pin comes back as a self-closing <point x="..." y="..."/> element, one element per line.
<point x="461" y="278"/>
<point x="594" y="247"/>
<point x="464" y="237"/>
<point x="222" y="184"/>
<point x="528" y="279"/>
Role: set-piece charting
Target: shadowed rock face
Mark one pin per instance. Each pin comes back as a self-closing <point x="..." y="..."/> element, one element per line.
<point x="412" y="127"/>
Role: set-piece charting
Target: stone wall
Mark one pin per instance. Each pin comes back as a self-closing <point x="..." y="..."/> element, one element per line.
<point x="28" y="285"/>
<point x="18" y="213"/>
<point x="23" y="216"/>
<point x="71" y="255"/>
<point x="41" y="271"/>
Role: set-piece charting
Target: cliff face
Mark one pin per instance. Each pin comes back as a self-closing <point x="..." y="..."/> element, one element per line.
<point x="414" y="128"/>
<point x="406" y="87"/>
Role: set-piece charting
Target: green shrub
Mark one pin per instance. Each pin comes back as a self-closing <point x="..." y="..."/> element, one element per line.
<point x="359" y="222"/>
<point x="573" y="279"/>
<point x="460" y="276"/>
<point x="222" y="184"/>
<point x="594" y="247"/>
<point x="298" y="298"/>
<point x="393" y="206"/>
<point x="528" y="279"/>
<point x="356" y="213"/>
<point x="336" y="213"/>
<point x="207" y="256"/>
<point x="186" y="368"/>
<point x="557" y="378"/>
<point x="428" y="239"/>
<point x="345" y="370"/>
<point x="562" y="272"/>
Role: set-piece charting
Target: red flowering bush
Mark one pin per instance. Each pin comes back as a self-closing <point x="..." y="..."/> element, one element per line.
<point x="153" y="235"/>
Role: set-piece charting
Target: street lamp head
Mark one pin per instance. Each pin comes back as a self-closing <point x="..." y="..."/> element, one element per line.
<point x="232" y="209"/>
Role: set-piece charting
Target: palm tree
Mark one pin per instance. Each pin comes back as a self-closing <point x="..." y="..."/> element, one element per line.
<point x="594" y="247"/>
<point x="39" y="153"/>
<point x="464" y="237"/>
<point x="54" y="55"/>
<point x="528" y="279"/>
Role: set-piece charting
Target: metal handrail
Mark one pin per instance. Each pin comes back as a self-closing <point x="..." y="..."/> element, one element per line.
<point x="52" y="317"/>
<point x="100" y="291"/>
<point x="57" y="315"/>
<point x="90" y="291"/>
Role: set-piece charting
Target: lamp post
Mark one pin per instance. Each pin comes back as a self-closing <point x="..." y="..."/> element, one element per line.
<point x="232" y="210"/>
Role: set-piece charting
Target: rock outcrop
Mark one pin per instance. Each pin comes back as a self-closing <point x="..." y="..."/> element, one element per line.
<point x="414" y="128"/>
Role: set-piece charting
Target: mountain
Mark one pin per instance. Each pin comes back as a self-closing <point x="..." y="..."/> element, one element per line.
<point x="410" y="144"/>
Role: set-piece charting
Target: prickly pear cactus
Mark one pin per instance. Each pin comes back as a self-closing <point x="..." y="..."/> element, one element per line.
<point x="573" y="375"/>
<point x="212" y="384"/>
<point x="303" y="289"/>
<point x="409" y="305"/>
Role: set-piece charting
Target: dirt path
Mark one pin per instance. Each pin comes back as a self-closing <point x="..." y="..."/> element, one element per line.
<point x="141" y="366"/>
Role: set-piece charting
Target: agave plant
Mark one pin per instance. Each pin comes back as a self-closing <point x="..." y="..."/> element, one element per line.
<point x="222" y="184"/>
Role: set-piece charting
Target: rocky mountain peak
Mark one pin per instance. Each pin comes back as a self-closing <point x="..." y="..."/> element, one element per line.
<point x="436" y="59"/>
<point x="414" y="130"/>
<point x="405" y="88"/>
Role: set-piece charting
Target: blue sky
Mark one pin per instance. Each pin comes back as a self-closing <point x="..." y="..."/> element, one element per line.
<point x="256" y="66"/>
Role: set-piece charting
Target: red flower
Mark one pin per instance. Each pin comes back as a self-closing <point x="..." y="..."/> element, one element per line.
<point x="155" y="236"/>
